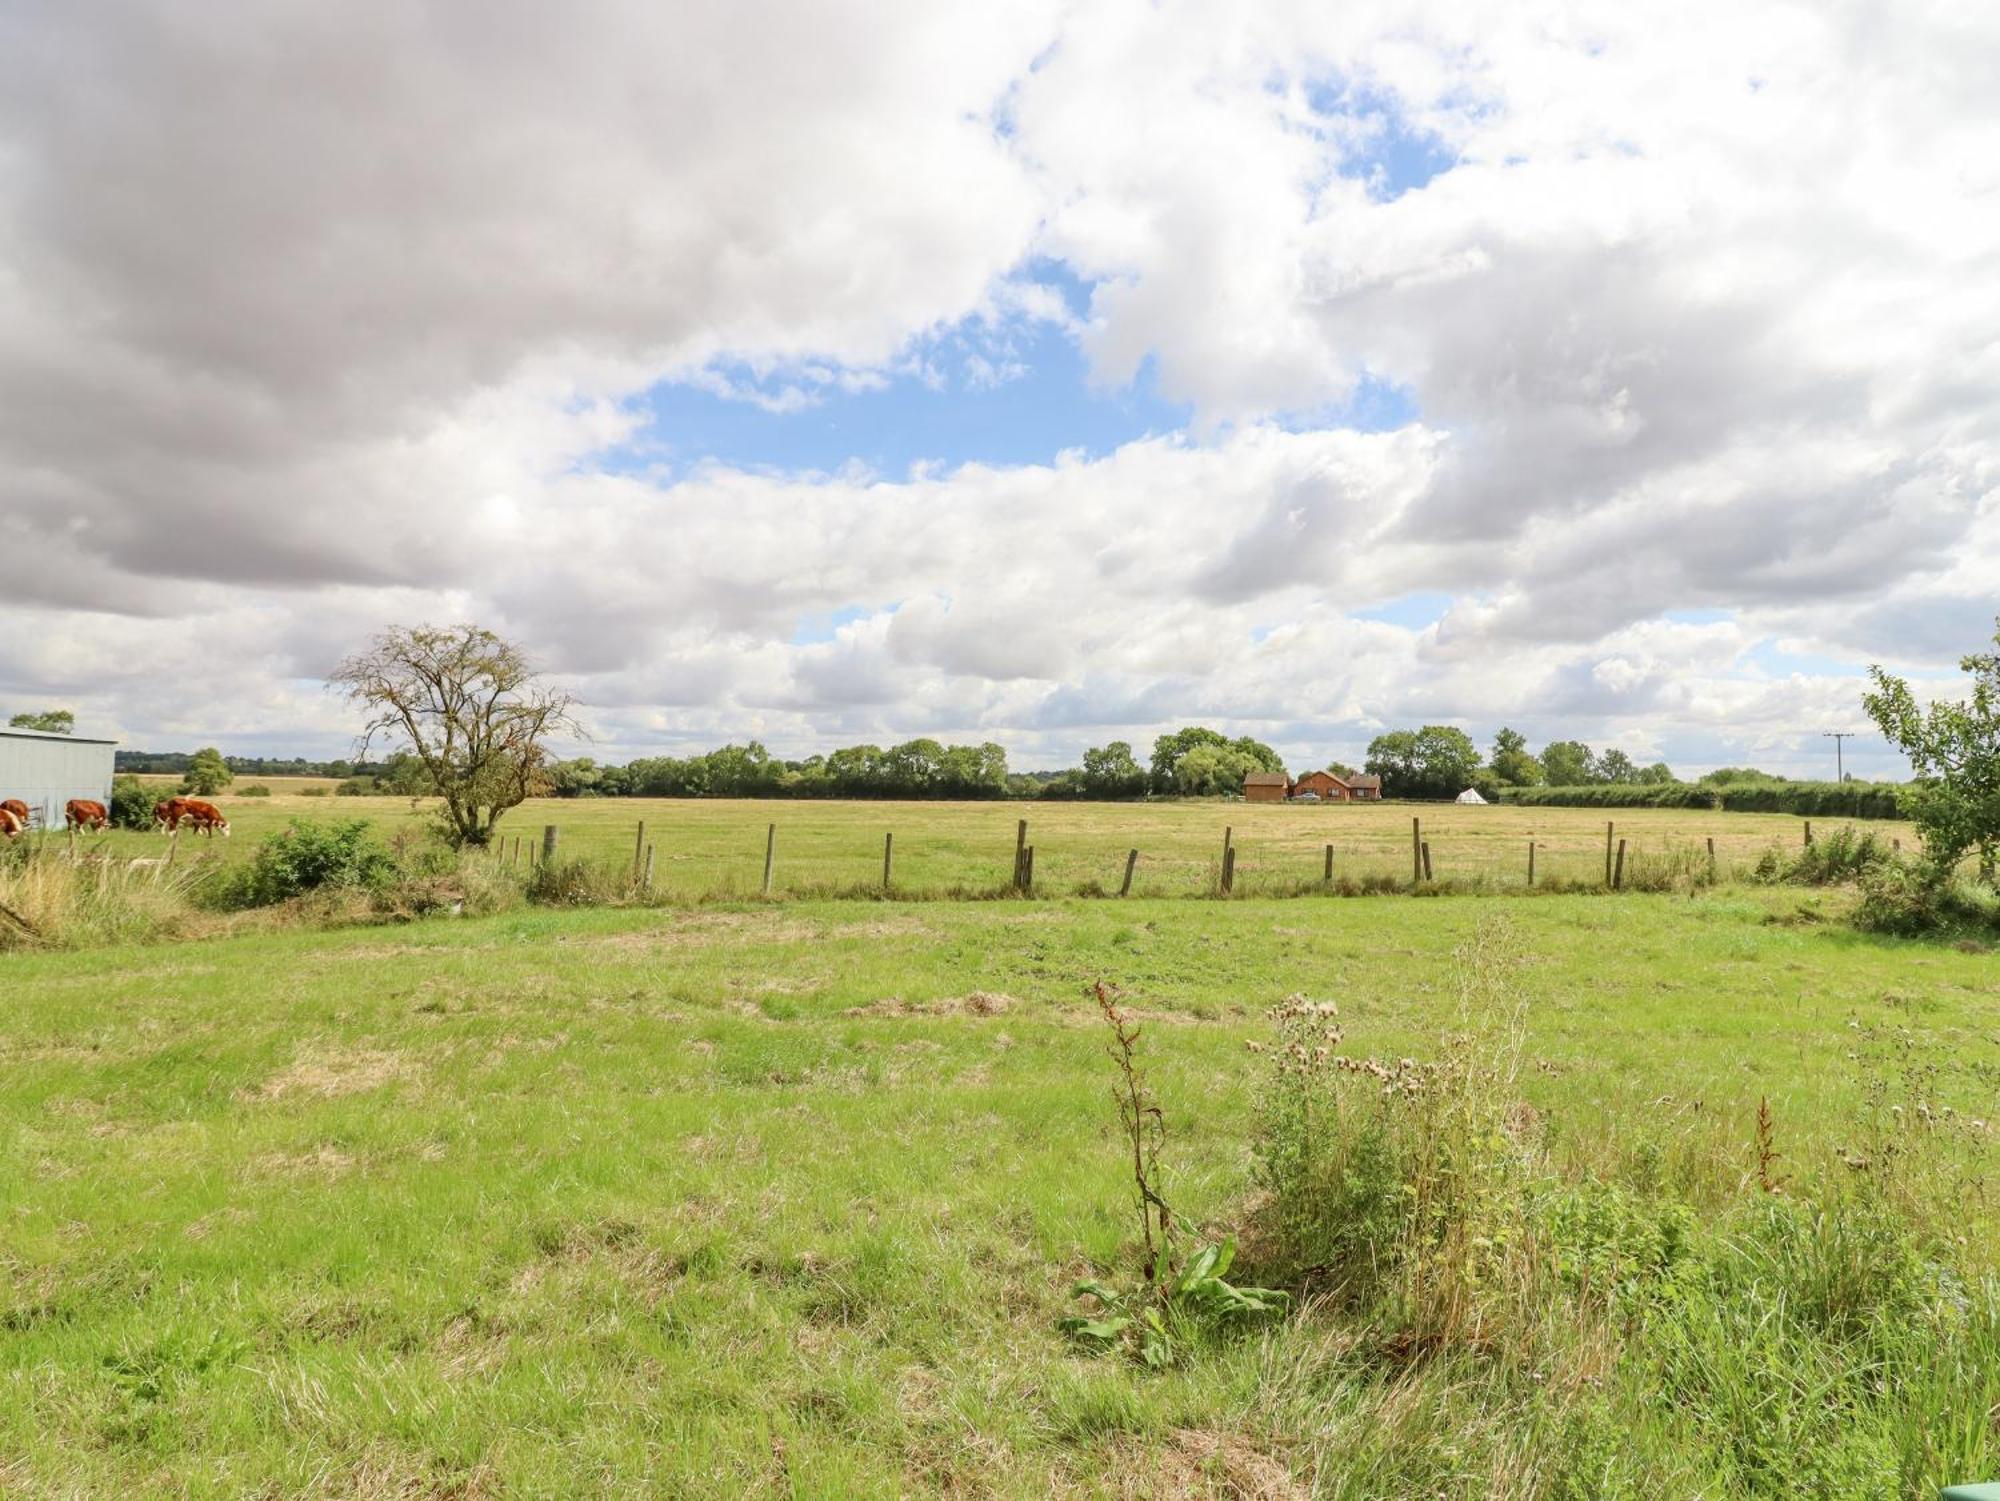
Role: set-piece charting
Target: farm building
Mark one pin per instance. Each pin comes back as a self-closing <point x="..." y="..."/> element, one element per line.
<point x="46" y="771"/>
<point x="1364" y="788"/>
<point x="1266" y="787"/>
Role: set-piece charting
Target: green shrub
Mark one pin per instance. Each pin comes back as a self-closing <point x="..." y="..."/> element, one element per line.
<point x="307" y="856"/>
<point x="132" y="803"/>
<point x="256" y="789"/>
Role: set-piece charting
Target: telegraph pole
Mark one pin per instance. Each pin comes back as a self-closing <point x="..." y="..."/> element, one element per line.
<point x="1838" y="737"/>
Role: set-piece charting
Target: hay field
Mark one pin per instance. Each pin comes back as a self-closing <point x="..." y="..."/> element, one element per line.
<point x="711" y="848"/>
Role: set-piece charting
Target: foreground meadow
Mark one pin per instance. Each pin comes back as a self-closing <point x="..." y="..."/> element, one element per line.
<point x="788" y="1200"/>
<point x="710" y="848"/>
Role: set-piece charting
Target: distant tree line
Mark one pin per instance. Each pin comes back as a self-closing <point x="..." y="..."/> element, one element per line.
<point x="174" y="763"/>
<point x="921" y="768"/>
<point x="1434" y="762"/>
<point x="1441" y="761"/>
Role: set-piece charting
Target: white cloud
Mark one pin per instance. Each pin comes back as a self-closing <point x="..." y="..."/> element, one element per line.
<point x="312" y="319"/>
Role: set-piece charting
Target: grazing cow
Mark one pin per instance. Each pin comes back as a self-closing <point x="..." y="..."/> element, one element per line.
<point x="204" y="818"/>
<point x="82" y="813"/>
<point x="11" y="823"/>
<point x="18" y="808"/>
<point x="168" y="813"/>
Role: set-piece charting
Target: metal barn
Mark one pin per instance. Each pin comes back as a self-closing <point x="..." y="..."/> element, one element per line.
<point x="46" y="771"/>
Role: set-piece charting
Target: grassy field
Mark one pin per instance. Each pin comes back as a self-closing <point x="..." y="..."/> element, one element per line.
<point x="716" y="848"/>
<point x="755" y="1200"/>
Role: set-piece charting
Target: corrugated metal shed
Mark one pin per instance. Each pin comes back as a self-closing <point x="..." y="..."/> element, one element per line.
<point x="46" y="771"/>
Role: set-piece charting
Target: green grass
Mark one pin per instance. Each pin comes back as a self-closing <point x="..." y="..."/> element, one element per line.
<point x="705" y="849"/>
<point x="740" y="1201"/>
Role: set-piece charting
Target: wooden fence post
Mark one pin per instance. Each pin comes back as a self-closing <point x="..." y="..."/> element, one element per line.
<point x="1808" y="833"/>
<point x="1416" y="850"/>
<point x="1021" y="855"/>
<point x="1711" y="856"/>
<point x="1228" y="869"/>
<point x="1531" y="862"/>
<point x="549" y="838"/>
<point x="1607" y="854"/>
<point x="1618" y="874"/>
<point x="770" y="853"/>
<point x="1329" y="865"/>
<point x="1427" y="861"/>
<point x="639" y="847"/>
<point x="888" y="852"/>
<point x="646" y="878"/>
<point x="1131" y="860"/>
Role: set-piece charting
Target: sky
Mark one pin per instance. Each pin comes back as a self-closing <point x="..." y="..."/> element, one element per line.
<point x="1045" y="373"/>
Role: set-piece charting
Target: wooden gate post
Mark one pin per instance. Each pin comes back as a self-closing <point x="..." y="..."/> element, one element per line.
<point x="1607" y="854"/>
<point x="646" y="877"/>
<point x="888" y="852"/>
<point x="1021" y="855"/>
<point x="1329" y="865"/>
<point x="1228" y="869"/>
<point x="639" y="847"/>
<point x="1531" y="862"/>
<point x="549" y="838"/>
<point x="1618" y="874"/>
<point x="1131" y="860"/>
<point x="770" y="853"/>
<point x="1427" y="861"/>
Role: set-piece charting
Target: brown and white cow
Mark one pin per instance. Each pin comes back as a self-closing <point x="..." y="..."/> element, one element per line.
<point x="18" y="808"/>
<point x="82" y="813"/>
<point x="11" y="823"/>
<point x="203" y="818"/>
<point x="168" y="813"/>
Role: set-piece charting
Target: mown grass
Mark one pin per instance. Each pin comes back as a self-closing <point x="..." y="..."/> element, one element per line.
<point x="715" y="849"/>
<point x="750" y="1201"/>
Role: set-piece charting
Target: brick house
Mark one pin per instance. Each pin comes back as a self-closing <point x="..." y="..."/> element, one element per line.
<point x="1324" y="784"/>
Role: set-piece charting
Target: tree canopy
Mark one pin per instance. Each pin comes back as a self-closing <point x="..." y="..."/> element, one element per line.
<point x="1436" y="761"/>
<point x="48" y="721"/>
<point x="207" y="773"/>
<point x="1512" y="764"/>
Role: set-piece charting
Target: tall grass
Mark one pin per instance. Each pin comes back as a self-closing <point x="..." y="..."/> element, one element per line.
<point x="49" y="900"/>
<point x="1822" y="1334"/>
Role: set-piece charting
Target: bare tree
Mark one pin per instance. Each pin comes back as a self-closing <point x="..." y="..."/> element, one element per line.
<point x="470" y="707"/>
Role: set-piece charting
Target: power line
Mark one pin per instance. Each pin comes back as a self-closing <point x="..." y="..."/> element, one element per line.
<point x="1838" y="737"/>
